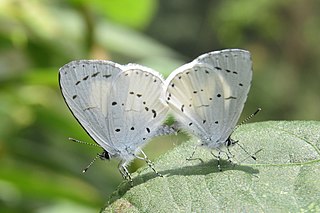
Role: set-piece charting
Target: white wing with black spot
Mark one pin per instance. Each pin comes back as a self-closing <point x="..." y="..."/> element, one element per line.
<point x="119" y="106"/>
<point x="207" y="95"/>
<point x="136" y="111"/>
<point x="85" y="86"/>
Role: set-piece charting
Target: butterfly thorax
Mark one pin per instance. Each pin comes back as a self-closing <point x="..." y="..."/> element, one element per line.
<point x="126" y="154"/>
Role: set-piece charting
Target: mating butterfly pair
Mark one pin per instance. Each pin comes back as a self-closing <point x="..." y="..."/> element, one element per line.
<point x="123" y="106"/>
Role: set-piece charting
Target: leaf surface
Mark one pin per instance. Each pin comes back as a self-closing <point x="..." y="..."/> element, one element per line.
<point x="285" y="177"/>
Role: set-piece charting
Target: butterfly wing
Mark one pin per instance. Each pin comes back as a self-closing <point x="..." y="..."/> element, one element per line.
<point x="85" y="86"/>
<point x="207" y="95"/>
<point x="136" y="111"/>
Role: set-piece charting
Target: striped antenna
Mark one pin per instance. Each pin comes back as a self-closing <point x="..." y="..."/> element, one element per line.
<point x="82" y="142"/>
<point x="247" y="119"/>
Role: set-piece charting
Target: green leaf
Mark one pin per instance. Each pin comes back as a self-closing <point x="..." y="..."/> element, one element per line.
<point x="137" y="14"/>
<point x="284" y="178"/>
<point x="126" y="41"/>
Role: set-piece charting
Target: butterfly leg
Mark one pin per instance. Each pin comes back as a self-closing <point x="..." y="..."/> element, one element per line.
<point x="218" y="157"/>
<point x="124" y="172"/>
<point x="194" y="151"/>
<point x="191" y="156"/>
<point x="253" y="156"/>
<point x="250" y="155"/>
<point x="149" y="162"/>
<point x="229" y="156"/>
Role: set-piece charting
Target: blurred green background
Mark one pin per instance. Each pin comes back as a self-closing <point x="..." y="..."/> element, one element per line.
<point x="41" y="170"/>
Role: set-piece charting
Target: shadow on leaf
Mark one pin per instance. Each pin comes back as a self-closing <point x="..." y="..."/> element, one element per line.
<point x="198" y="169"/>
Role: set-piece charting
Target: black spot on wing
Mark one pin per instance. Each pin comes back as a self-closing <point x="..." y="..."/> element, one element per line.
<point x="75" y="96"/>
<point x="106" y="76"/>
<point x="230" y="97"/>
<point x="89" y="108"/>
<point x="154" y="113"/>
<point x="169" y="95"/>
<point x="95" y="74"/>
<point x="229" y="71"/>
<point x="85" y="78"/>
<point x="182" y="107"/>
<point x="78" y="82"/>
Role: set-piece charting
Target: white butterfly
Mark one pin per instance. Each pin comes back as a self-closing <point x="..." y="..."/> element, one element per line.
<point x="118" y="106"/>
<point x="207" y="95"/>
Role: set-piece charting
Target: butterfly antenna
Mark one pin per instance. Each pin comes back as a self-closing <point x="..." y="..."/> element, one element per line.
<point x="243" y="122"/>
<point x="247" y="119"/>
<point x="82" y="142"/>
<point x="93" y="160"/>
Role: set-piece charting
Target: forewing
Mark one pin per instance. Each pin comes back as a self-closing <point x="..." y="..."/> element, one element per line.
<point x="136" y="111"/>
<point x="85" y="86"/>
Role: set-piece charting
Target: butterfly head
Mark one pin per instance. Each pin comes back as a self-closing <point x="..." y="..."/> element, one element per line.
<point x="104" y="155"/>
<point x="213" y="143"/>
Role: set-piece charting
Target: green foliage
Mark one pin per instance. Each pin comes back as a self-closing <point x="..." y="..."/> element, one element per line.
<point x="137" y="14"/>
<point x="284" y="178"/>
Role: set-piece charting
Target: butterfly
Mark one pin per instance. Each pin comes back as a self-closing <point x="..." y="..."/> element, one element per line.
<point x="208" y="94"/>
<point x="119" y="106"/>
